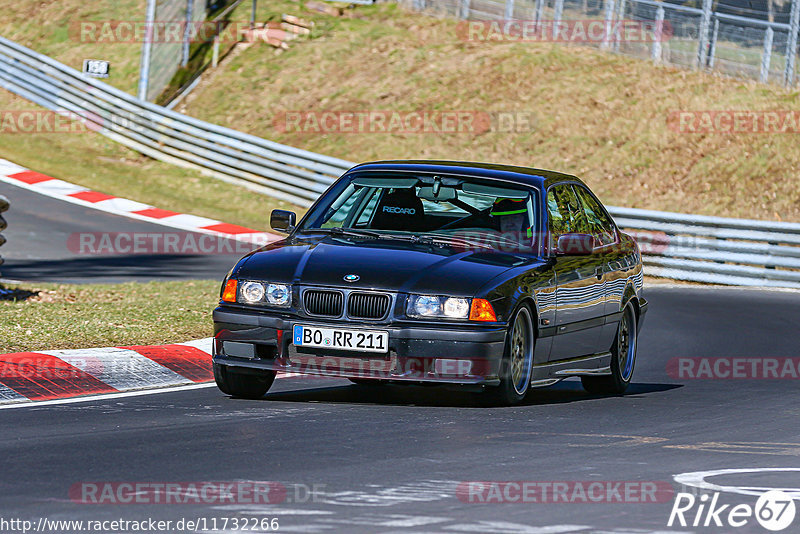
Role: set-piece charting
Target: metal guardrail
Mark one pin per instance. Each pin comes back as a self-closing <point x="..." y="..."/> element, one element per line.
<point x="281" y="171"/>
<point x="677" y="246"/>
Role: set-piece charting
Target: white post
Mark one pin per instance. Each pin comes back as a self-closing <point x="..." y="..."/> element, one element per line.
<point x="539" y="11"/>
<point x="558" y="12"/>
<point x="147" y="49"/>
<point x="509" y="14"/>
<point x="465" y="9"/>
<point x="655" y="54"/>
<point x="791" y="44"/>
<point x="712" y="48"/>
<point x="187" y="33"/>
<point x="620" y="16"/>
<point x="705" y="22"/>
<point x="609" y="24"/>
<point x="766" y="56"/>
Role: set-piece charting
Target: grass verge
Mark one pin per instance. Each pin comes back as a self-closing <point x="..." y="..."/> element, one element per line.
<point x="601" y="116"/>
<point x="102" y="315"/>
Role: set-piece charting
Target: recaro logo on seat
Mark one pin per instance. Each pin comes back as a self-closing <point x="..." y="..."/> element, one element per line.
<point x="395" y="209"/>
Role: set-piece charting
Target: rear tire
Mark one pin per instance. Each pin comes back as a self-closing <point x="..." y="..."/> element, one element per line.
<point x="245" y="386"/>
<point x="623" y="358"/>
<point x="517" y="363"/>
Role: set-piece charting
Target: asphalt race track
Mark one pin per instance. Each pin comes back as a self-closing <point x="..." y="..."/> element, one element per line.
<point x="390" y="459"/>
<point x="39" y="233"/>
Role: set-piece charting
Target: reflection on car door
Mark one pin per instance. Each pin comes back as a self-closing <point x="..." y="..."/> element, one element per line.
<point x="580" y="294"/>
<point x="616" y="263"/>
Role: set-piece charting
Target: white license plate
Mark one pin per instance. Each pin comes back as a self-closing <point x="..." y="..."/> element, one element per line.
<point x="341" y="339"/>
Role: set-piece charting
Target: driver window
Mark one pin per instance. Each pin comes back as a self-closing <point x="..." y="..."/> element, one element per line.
<point x="601" y="227"/>
<point x="565" y="213"/>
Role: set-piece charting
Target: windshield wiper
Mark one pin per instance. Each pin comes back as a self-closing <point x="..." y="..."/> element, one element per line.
<point x="337" y="231"/>
<point x="457" y="241"/>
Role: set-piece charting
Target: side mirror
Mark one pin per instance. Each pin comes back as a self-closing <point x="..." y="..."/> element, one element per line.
<point x="282" y="220"/>
<point x="575" y="245"/>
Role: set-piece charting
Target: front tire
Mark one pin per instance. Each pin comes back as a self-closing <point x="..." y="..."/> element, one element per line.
<point x="245" y="386"/>
<point x="623" y="358"/>
<point x="517" y="363"/>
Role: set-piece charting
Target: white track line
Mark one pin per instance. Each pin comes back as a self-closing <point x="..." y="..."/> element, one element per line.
<point x="106" y="396"/>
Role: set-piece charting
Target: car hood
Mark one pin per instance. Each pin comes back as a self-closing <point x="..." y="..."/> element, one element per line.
<point x="380" y="264"/>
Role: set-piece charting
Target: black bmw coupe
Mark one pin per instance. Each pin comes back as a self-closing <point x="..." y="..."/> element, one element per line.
<point x="480" y="276"/>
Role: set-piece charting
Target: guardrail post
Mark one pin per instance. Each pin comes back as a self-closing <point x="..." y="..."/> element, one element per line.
<point x="655" y="53"/>
<point x="766" y="56"/>
<point x="705" y="23"/>
<point x="609" y="24"/>
<point x="509" y="12"/>
<point x="465" y="8"/>
<point x="791" y="43"/>
<point x="3" y="207"/>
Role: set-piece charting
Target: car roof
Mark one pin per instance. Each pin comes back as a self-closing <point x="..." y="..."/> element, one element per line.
<point x="521" y="175"/>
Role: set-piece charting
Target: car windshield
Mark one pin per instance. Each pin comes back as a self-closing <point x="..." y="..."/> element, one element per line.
<point x="451" y="209"/>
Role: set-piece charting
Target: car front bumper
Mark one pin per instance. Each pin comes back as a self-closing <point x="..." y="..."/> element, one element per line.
<point x="248" y="341"/>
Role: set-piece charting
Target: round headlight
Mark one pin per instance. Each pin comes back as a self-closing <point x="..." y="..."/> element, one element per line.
<point x="278" y="294"/>
<point x="252" y="292"/>
<point x="456" y="308"/>
<point x="427" y="306"/>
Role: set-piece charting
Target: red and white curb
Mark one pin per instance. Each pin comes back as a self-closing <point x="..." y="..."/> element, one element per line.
<point x="19" y="176"/>
<point x="55" y="376"/>
<point x="58" y="374"/>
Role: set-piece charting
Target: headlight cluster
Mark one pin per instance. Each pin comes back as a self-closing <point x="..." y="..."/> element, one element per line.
<point x="436" y="306"/>
<point x="279" y="295"/>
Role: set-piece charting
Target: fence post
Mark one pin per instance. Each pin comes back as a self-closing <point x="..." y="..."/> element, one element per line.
<point x="791" y="43"/>
<point x="465" y="8"/>
<point x="609" y="24"/>
<point x="253" y="15"/>
<point x="147" y="49"/>
<point x="619" y="17"/>
<point x="558" y="12"/>
<point x="712" y="48"/>
<point x="538" y="11"/>
<point x="705" y="22"/>
<point x="655" y="54"/>
<point x="187" y="33"/>
<point x="766" y="56"/>
<point x="215" y="52"/>
<point x="509" y="14"/>
<point x="3" y="207"/>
